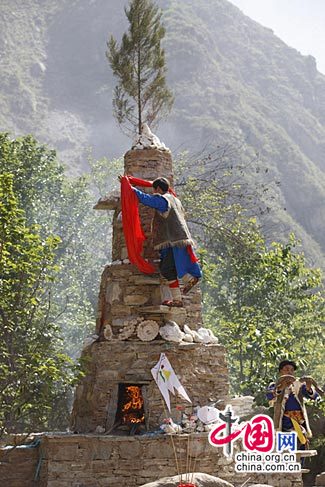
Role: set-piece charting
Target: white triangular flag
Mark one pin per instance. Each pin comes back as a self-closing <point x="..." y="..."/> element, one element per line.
<point x="208" y="414"/>
<point x="167" y="380"/>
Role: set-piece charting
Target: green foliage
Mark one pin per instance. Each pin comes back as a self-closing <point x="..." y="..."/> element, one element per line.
<point x="33" y="369"/>
<point x="141" y="95"/>
<point x="233" y="80"/>
<point x="61" y="206"/>
<point x="104" y="174"/>
<point x="77" y="243"/>
<point x="266" y="306"/>
<point x="37" y="176"/>
<point x="221" y="206"/>
<point x="262" y="301"/>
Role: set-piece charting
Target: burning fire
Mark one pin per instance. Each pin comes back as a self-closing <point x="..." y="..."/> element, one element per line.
<point x="133" y="407"/>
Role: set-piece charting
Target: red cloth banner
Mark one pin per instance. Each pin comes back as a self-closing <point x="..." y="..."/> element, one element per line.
<point x="145" y="183"/>
<point x="133" y="232"/>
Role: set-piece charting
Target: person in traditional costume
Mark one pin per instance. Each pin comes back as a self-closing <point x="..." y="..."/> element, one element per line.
<point x="171" y="235"/>
<point x="287" y="396"/>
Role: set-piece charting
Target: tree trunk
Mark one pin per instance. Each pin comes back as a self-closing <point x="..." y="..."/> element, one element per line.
<point x="139" y="94"/>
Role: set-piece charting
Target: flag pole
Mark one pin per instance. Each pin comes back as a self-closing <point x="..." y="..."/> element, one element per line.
<point x="172" y="440"/>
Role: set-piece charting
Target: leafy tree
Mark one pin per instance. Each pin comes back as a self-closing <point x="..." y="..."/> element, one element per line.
<point x="61" y="206"/>
<point x="141" y="95"/>
<point x="33" y="368"/>
<point x="266" y="306"/>
<point x="263" y="301"/>
<point x="221" y="202"/>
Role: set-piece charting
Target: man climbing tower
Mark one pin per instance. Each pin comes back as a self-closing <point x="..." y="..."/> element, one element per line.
<point x="172" y="238"/>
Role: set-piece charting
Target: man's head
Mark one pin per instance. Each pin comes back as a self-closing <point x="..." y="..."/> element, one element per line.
<point x="287" y="367"/>
<point x="160" y="185"/>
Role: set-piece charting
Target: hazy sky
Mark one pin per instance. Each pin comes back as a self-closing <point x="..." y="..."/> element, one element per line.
<point x="299" y="23"/>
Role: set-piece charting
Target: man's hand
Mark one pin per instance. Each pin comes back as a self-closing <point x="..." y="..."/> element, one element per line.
<point x="309" y="382"/>
<point x="120" y="177"/>
<point x="285" y="381"/>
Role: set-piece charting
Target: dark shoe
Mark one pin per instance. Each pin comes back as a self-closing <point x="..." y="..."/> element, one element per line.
<point x="191" y="283"/>
<point x="172" y="304"/>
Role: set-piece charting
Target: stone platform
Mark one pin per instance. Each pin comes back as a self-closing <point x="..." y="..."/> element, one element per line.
<point x="67" y="460"/>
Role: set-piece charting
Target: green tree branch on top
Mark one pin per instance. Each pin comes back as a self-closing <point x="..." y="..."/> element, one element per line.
<point x="141" y="95"/>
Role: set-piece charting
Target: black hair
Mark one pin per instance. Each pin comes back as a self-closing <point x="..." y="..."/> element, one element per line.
<point x="287" y="362"/>
<point x="161" y="183"/>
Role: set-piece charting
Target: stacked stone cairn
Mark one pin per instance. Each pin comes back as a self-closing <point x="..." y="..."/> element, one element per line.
<point x="132" y="331"/>
<point x="133" y="328"/>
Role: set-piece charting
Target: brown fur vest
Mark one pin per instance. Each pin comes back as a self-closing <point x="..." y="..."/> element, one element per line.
<point x="170" y="228"/>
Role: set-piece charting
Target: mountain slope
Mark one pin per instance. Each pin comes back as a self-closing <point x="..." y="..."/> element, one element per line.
<point x="234" y="82"/>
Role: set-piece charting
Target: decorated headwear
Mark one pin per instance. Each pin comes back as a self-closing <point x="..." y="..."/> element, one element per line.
<point x="287" y="362"/>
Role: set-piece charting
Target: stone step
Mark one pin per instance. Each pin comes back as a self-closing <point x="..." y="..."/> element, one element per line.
<point x="109" y="201"/>
<point x="155" y="310"/>
<point x="146" y="280"/>
<point x="161" y="309"/>
<point x="306" y="453"/>
<point x="320" y="479"/>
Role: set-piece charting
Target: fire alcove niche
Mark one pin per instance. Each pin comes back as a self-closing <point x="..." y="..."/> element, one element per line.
<point x="130" y="414"/>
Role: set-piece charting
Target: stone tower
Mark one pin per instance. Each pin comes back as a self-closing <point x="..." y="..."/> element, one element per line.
<point x="129" y="319"/>
<point x="116" y="439"/>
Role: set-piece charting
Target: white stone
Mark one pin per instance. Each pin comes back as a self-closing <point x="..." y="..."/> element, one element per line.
<point x="208" y="414"/>
<point x="188" y="330"/>
<point x="204" y="334"/>
<point x="188" y="338"/>
<point x="199" y="479"/>
<point x="107" y="332"/>
<point x="207" y="335"/>
<point x="196" y="337"/>
<point x="171" y="332"/>
<point x="214" y="339"/>
<point x="148" y="140"/>
<point x="113" y="292"/>
<point x="170" y="427"/>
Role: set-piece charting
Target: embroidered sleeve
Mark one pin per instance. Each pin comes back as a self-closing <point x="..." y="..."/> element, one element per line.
<point x="152" y="200"/>
<point x="308" y="394"/>
<point x="271" y="392"/>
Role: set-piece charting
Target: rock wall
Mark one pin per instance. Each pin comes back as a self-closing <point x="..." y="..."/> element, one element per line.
<point x="65" y="460"/>
<point x="126" y="293"/>
<point x="201" y="369"/>
<point x="18" y="466"/>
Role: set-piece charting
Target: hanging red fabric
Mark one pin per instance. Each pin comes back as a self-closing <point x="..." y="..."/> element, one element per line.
<point x="191" y="253"/>
<point x="133" y="232"/>
<point x="146" y="184"/>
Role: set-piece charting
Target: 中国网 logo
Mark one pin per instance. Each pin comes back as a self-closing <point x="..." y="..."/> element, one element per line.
<point x="263" y="450"/>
